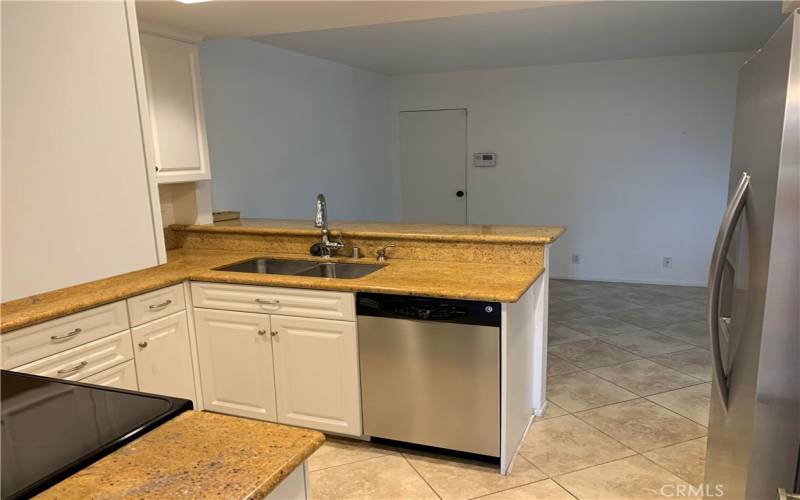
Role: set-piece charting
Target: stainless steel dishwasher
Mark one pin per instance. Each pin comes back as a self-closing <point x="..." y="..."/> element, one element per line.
<point x="430" y="371"/>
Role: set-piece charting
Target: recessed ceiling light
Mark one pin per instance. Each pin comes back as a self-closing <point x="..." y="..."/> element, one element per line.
<point x="193" y="1"/>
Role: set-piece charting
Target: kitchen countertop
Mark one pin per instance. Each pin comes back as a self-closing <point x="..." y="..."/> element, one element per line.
<point x="476" y="233"/>
<point x="197" y="454"/>
<point x="457" y="280"/>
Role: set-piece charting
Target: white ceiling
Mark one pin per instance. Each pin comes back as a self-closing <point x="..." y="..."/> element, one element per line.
<point x="243" y="18"/>
<point x="549" y="34"/>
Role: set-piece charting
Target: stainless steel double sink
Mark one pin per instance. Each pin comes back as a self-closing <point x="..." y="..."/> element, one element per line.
<point x="299" y="267"/>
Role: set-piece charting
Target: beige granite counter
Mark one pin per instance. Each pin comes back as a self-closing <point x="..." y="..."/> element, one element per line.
<point x="536" y="235"/>
<point x="462" y="280"/>
<point x="493" y="263"/>
<point x="196" y="455"/>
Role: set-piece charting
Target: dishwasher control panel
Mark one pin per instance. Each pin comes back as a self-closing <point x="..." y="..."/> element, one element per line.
<point x="429" y="308"/>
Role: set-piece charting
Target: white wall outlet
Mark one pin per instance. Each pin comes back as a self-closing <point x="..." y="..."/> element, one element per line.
<point x="576" y="258"/>
<point x="667" y="263"/>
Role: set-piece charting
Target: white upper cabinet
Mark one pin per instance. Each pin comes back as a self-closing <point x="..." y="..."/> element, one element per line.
<point x="176" y="109"/>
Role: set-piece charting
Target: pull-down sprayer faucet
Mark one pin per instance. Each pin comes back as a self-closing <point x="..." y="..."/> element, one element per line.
<point x="327" y="246"/>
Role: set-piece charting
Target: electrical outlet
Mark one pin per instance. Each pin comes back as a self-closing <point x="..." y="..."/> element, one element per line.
<point x="576" y="258"/>
<point x="667" y="263"/>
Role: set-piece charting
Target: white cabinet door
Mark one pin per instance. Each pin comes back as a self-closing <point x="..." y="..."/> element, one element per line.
<point x="176" y="109"/>
<point x="236" y="363"/>
<point x="316" y="374"/>
<point x="164" y="358"/>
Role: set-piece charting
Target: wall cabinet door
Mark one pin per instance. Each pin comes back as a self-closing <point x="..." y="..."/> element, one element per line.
<point x="316" y="374"/>
<point x="163" y="357"/>
<point x="236" y="363"/>
<point x="176" y="109"/>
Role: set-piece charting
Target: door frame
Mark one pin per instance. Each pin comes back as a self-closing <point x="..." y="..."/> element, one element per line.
<point x="466" y="146"/>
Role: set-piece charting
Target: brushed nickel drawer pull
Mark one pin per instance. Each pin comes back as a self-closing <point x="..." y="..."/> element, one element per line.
<point x="268" y="302"/>
<point x="66" y="335"/>
<point x="161" y="305"/>
<point x="75" y="368"/>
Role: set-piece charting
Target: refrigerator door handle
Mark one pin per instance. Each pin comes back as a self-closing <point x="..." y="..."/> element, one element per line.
<point x="718" y="258"/>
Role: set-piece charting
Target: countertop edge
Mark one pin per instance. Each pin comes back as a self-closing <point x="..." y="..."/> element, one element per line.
<point x="178" y="432"/>
<point x="136" y="283"/>
<point x="374" y="234"/>
<point x="86" y="304"/>
<point x="275" y="479"/>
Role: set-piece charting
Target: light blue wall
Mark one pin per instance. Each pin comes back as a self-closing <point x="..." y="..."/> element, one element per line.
<point x="632" y="156"/>
<point x="283" y="126"/>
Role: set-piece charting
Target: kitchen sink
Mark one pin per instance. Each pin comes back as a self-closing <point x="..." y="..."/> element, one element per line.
<point x="298" y="267"/>
<point x="340" y="270"/>
<point x="270" y="266"/>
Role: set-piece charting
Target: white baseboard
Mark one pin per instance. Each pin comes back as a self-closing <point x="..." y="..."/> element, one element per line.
<point x="628" y="280"/>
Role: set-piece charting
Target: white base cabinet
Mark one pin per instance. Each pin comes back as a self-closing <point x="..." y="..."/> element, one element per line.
<point x="235" y="353"/>
<point x="316" y="374"/>
<point x="294" y="487"/>
<point x="279" y="354"/>
<point x="122" y="376"/>
<point x="163" y="356"/>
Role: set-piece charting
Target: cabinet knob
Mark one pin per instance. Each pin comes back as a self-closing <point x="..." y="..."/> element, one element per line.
<point x="142" y="344"/>
<point x="273" y="333"/>
<point x="262" y="332"/>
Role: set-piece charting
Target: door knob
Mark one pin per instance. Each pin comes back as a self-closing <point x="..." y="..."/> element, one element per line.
<point x="460" y="193"/>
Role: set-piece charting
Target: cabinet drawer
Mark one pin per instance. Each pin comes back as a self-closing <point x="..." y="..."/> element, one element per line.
<point x="88" y="359"/>
<point x="39" y="341"/>
<point x="156" y="304"/>
<point x="272" y="300"/>
<point x="122" y="376"/>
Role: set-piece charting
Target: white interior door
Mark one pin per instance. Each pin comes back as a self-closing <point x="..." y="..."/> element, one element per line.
<point x="433" y="161"/>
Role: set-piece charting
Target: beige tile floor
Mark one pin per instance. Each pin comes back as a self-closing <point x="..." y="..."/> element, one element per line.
<point x="628" y="384"/>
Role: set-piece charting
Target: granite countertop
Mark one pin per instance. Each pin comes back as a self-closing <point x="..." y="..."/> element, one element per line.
<point x="476" y="233"/>
<point x="457" y="280"/>
<point x="196" y="455"/>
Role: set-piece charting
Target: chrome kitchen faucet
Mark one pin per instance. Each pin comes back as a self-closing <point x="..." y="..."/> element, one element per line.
<point x="327" y="246"/>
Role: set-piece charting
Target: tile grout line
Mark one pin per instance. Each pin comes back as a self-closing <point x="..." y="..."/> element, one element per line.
<point x="354" y="461"/>
<point x="696" y="381"/>
<point x="632" y="399"/>
<point x="519" y="456"/>
<point x="576" y="415"/>
<point x="637" y="397"/>
<point x="669" y="471"/>
<point x="675" y="444"/>
<point x="421" y="476"/>
<point x="547" y="478"/>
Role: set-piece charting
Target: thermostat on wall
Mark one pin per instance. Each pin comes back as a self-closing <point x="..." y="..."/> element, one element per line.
<point x="484" y="159"/>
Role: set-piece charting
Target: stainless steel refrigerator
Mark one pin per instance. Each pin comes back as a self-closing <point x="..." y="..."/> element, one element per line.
<point x="754" y="285"/>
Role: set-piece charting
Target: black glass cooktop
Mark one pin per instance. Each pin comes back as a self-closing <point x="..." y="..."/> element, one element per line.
<point x="53" y="428"/>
